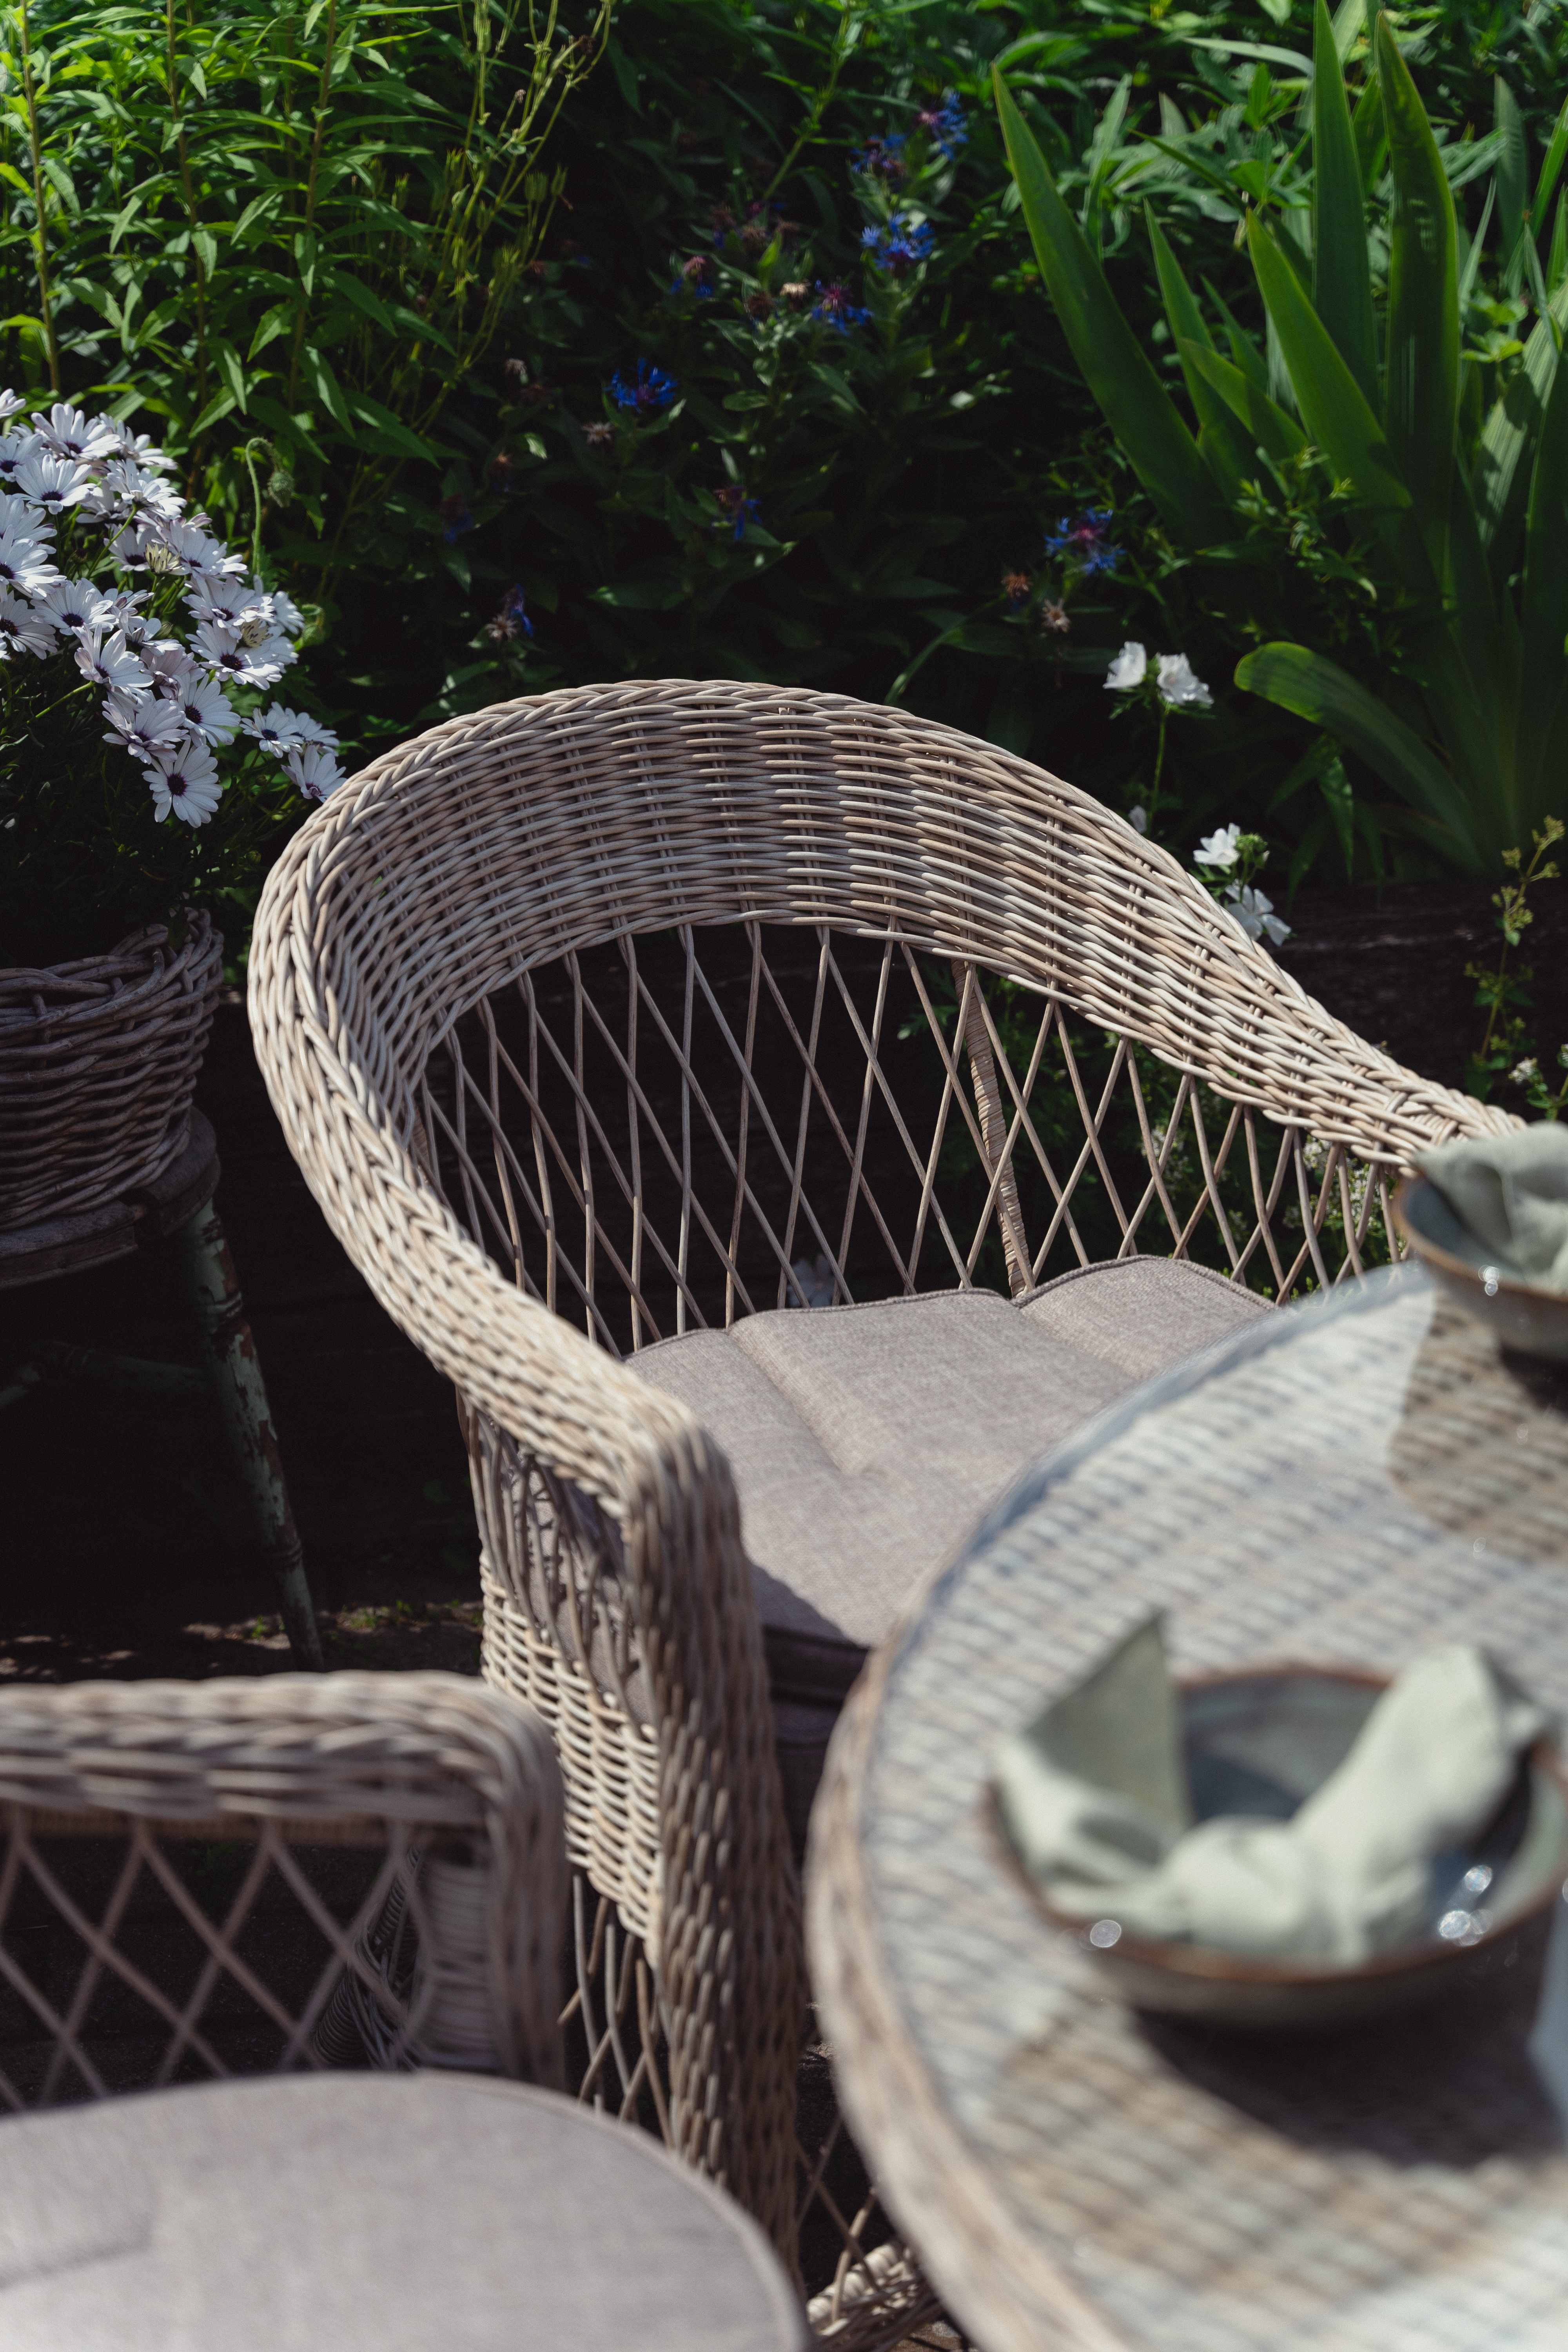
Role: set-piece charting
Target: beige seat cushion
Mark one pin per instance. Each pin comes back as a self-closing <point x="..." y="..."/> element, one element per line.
<point x="867" y="1441"/>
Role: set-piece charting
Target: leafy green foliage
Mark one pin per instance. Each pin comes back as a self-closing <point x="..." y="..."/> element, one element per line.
<point x="1419" y="483"/>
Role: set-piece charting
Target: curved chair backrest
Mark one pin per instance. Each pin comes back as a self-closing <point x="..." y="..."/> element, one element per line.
<point x="651" y="1004"/>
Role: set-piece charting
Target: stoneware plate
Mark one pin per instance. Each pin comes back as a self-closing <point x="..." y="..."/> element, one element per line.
<point x="1517" y="1313"/>
<point x="1258" y="1744"/>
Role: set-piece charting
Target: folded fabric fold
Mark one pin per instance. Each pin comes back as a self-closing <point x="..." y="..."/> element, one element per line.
<point x="1510" y="1194"/>
<point x="1094" y="1797"/>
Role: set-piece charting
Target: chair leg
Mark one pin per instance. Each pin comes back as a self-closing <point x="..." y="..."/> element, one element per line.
<point x="234" y="1372"/>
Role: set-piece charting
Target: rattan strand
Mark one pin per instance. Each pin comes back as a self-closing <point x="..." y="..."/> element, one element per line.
<point x="99" y="1063"/>
<point x="438" y="1763"/>
<point x="464" y="871"/>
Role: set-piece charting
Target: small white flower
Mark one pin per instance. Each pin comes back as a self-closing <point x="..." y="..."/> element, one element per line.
<point x="145" y="728"/>
<point x="231" y="603"/>
<point x="276" y="729"/>
<point x="172" y="667"/>
<point x="141" y="451"/>
<point x="1218" y="848"/>
<point x="11" y="405"/>
<point x="184" y="780"/>
<point x="205" y="707"/>
<point x="226" y="655"/>
<point x="72" y="604"/>
<point x="1179" y="687"/>
<point x="23" y="628"/>
<point x="67" y="432"/>
<point x="13" y="447"/>
<point x="25" y="563"/>
<point x="1256" y="914"/>
<point x="287" y="614"/>
<point x="1128" y="669"/>
<point x="50" y="485"/>
<point x="313" y="769"/>
<point x="1522" y="1072"/>
<point x="1138" y="818"/>
<point x="109" y="661"/>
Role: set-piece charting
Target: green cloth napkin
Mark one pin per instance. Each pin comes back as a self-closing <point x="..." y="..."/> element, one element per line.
<point x="1094" y="1797"/>
<point x="1511" y="1193"/>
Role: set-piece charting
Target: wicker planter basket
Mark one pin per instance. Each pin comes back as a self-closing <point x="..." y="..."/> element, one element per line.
<point x="98" y="1065"/>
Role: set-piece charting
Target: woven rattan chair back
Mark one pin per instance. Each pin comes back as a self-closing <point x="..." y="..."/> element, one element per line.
<point x="640" y="1008"/>
<point x="205" y="1879"/>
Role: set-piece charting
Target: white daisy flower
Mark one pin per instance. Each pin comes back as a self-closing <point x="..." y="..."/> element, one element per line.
<point x="184" y="780"/>
<point x="226" y="654"/>
<point x="25" y="563"/>
<point x="70" y="433"/>
<point x="11" y="405"/>
<point x="143" y="451"/>
<point x="287" y="614"/>
<point x="1218" y="848"/>
<point x="109" y="662"/>
<point x="122" y="491"/>
<point x="1128" y="669"/>
<point x="314" y="769"/>
<point x="13" y="447"/>
<point x="145" y="728"/>
<point x="205" y="707"/>
<point x="276" y="729"/>
<point x="172" y="666"/>
<point x="23" y="628"/>
<point x="50" y="485"/>
<point x="1179" y="687"/>
<point x="202" y="556"/>
<point x="1256" y="914"/>
<point x="73" y="605"/>
<point x="231" y="603"/>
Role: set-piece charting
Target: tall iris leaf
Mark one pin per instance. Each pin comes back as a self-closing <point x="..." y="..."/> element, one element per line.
<point x="1421" y="396"/>
<point x="1341" y="279"/>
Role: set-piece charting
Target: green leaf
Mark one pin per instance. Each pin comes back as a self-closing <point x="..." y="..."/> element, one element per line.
<point x="229" y="360"/>
<point x="407" y="440"/>
<point x="1370" y="134"/>
<point x="1319" y="690"/>
<point x="305" y="257"/>
<point x="1333" y="407"/>
<point x="1501" y="481"/>
<point x="1221" y="442"/>
<point x="344" y="282"/>
<point x="1511" y="183"/>
<point x="1341" y="279"/>
<point x="219" y="406"/>
<point x="329" y="391"/>
<point x="1550" y="165"/>
<point x="1114" y="363"/>
<point x="1545" y="609"/>
<point x="1421" y="382"/>
<point x="1268" y="427"/>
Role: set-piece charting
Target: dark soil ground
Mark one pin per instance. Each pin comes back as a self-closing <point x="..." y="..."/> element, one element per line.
<point x="123" y="1554"/>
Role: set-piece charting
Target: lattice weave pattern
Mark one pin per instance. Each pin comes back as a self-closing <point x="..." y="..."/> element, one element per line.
<point x="642" y="1007"/>
<point x="99" y="1063"/>
<point x="193" y="1874"/>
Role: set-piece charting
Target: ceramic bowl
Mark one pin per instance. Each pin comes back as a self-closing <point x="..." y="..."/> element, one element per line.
<point x="1258" y="1744"/>
<point x="1517" y="1313"/>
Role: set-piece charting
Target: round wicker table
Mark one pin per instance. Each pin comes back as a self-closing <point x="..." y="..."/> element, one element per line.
<point x="1347" y="1484"/>
<point x="341" y="2212"/>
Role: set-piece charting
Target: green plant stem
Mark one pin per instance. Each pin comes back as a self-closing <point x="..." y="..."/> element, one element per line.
<point x="322" y="102"/>
<point x="1159" y="763"/>
<point x="844" y="41"/>
<point x="178" y="116"/>
<point x="31" y="100"/>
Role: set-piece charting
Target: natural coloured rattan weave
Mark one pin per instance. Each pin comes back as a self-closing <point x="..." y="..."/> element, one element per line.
<point x="640" y="1007"/>
<point x="198" y="1879"/>
<point x="98" y="1066"/>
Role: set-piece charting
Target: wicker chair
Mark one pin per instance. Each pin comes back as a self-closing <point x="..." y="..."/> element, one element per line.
<point x="650" y="1006"/>
<point x="207" y="1879"/>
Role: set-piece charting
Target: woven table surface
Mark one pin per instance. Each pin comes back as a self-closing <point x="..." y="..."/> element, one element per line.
<point x="1347" y="1484"/>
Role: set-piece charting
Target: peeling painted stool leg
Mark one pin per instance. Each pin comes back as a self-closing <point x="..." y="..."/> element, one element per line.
<point x="234" y="1372"/>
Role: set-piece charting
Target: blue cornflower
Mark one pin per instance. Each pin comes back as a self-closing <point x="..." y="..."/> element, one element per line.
<point x="1085" y="542"/>
<point x="455" y="517"/>
<point x="651" y="390"/>
<point x="900" y="246"/>
<point x="945" y="123"/>
<point x="511" y="618"/>
<point x="881" y="157"/>
<point x="736" y="507"/>
<point x="834" y="307"/>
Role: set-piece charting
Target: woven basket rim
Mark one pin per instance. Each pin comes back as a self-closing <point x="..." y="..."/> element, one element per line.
<point x="142" y="960"/>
